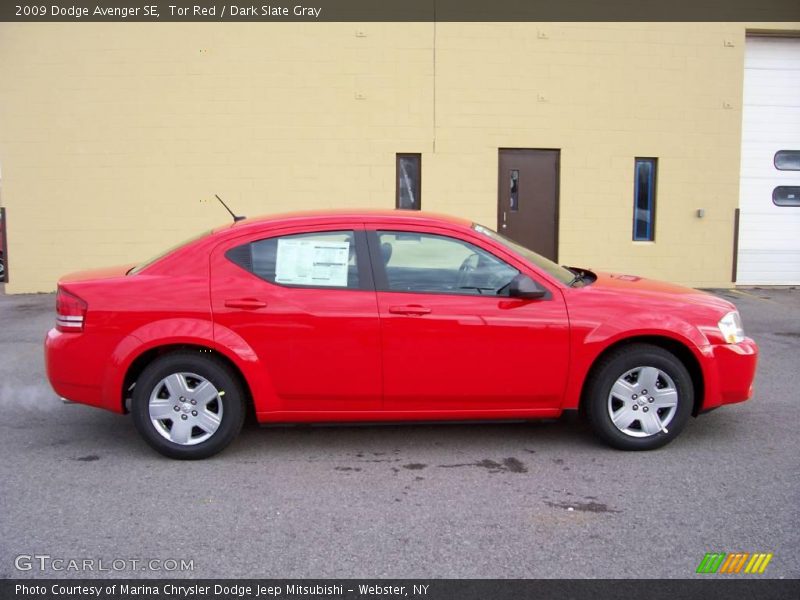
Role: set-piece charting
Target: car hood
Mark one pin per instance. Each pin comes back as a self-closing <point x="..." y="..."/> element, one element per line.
<point x="97" y="274"/>
<point x="661" y="290"/>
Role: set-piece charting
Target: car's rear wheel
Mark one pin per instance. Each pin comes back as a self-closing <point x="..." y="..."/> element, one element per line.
<point x="188" y="406"/>
<point x="639" y="397"/>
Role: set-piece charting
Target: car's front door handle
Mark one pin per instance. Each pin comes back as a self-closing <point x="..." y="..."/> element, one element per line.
<point x="411" y="309"/>
<point x="245" y="303"/>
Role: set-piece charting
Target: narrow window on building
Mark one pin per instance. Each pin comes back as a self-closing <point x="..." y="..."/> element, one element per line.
<point x="409" y="175"/>
<point x="787" y="160"/>
<point x="644" y="199"/>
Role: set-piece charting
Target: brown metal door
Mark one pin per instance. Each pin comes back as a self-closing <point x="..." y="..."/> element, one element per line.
<point x="527" y="201"/>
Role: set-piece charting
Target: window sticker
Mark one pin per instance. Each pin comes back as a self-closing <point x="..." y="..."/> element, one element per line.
<point x="312" y="262"/>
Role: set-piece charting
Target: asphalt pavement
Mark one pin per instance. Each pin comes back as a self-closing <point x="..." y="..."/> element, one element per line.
<point x="481" y="500"/>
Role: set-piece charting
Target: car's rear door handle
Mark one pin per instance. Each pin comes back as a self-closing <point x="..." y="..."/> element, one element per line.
<point x="411" y="309"/>
<point x="245" y="303"/>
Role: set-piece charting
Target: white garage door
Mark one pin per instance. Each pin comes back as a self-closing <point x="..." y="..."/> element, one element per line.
<point x="769" y="201"/>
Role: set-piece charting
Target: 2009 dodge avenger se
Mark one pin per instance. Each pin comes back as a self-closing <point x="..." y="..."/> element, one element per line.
<point x="387" y="316"/>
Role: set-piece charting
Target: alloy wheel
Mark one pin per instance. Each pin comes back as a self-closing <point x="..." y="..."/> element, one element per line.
<point x="185" y="408"/>
<point x="643" y="402"/>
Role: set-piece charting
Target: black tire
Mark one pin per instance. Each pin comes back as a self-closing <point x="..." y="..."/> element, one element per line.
<point x="611" y="369"/>
<point x="213" y="370"/>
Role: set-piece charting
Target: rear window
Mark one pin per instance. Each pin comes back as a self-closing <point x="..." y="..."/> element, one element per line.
<point x="169" y="250"/>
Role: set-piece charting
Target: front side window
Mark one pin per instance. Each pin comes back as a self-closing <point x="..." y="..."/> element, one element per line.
<point x="644" y="199"/>
<point x="423" y="262"/>
<point x="322" y="259"/>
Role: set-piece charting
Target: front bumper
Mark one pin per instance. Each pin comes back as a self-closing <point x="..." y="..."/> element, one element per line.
<point x="730" y="371"/>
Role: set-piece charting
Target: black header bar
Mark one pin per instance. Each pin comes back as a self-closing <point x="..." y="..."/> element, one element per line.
<point x="400" y="10"/>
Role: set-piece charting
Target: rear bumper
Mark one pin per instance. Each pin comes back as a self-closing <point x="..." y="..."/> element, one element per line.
<point x="75" y="364"/>
<point x="730" y="371"/>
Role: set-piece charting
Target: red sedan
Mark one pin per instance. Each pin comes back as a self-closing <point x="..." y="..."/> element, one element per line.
<point x="387" y="316"/>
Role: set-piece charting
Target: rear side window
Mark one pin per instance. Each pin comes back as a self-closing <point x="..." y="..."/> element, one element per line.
<point x="325" y="259"/>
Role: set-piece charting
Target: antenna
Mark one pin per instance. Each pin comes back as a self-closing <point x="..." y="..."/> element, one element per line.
<point x="236" y="218"/>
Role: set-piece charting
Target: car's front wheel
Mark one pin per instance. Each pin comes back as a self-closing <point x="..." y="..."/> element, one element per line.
<point x="639" y="397"/>
<point x="187" y="405"/>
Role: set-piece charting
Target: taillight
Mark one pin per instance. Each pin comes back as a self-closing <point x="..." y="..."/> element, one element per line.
<point x="70" y="311"/>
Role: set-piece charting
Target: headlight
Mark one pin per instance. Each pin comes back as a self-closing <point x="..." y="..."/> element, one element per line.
<point x="731" y="328"/>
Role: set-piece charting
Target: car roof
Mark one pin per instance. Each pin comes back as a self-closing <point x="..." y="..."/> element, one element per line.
<point x="356" y="215"/>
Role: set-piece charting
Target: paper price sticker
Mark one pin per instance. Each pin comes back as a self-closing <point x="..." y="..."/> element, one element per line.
<point x="312" y="262"/>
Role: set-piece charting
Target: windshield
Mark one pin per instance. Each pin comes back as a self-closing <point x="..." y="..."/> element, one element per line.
<point x="169" y="250"/>
<point x="565" y="276"/>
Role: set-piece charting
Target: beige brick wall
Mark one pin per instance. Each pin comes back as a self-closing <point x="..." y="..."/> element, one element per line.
<point x="111" y="134"/>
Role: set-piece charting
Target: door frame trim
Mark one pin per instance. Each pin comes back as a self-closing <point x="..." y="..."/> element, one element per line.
<point x="557" y="212"/>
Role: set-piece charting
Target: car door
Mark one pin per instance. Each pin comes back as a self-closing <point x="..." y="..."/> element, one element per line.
<point x="451" y="340"/>
<point x="303" y="300"/>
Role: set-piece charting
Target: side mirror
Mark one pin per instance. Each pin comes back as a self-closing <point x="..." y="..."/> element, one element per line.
<point x="523" y="286"/>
